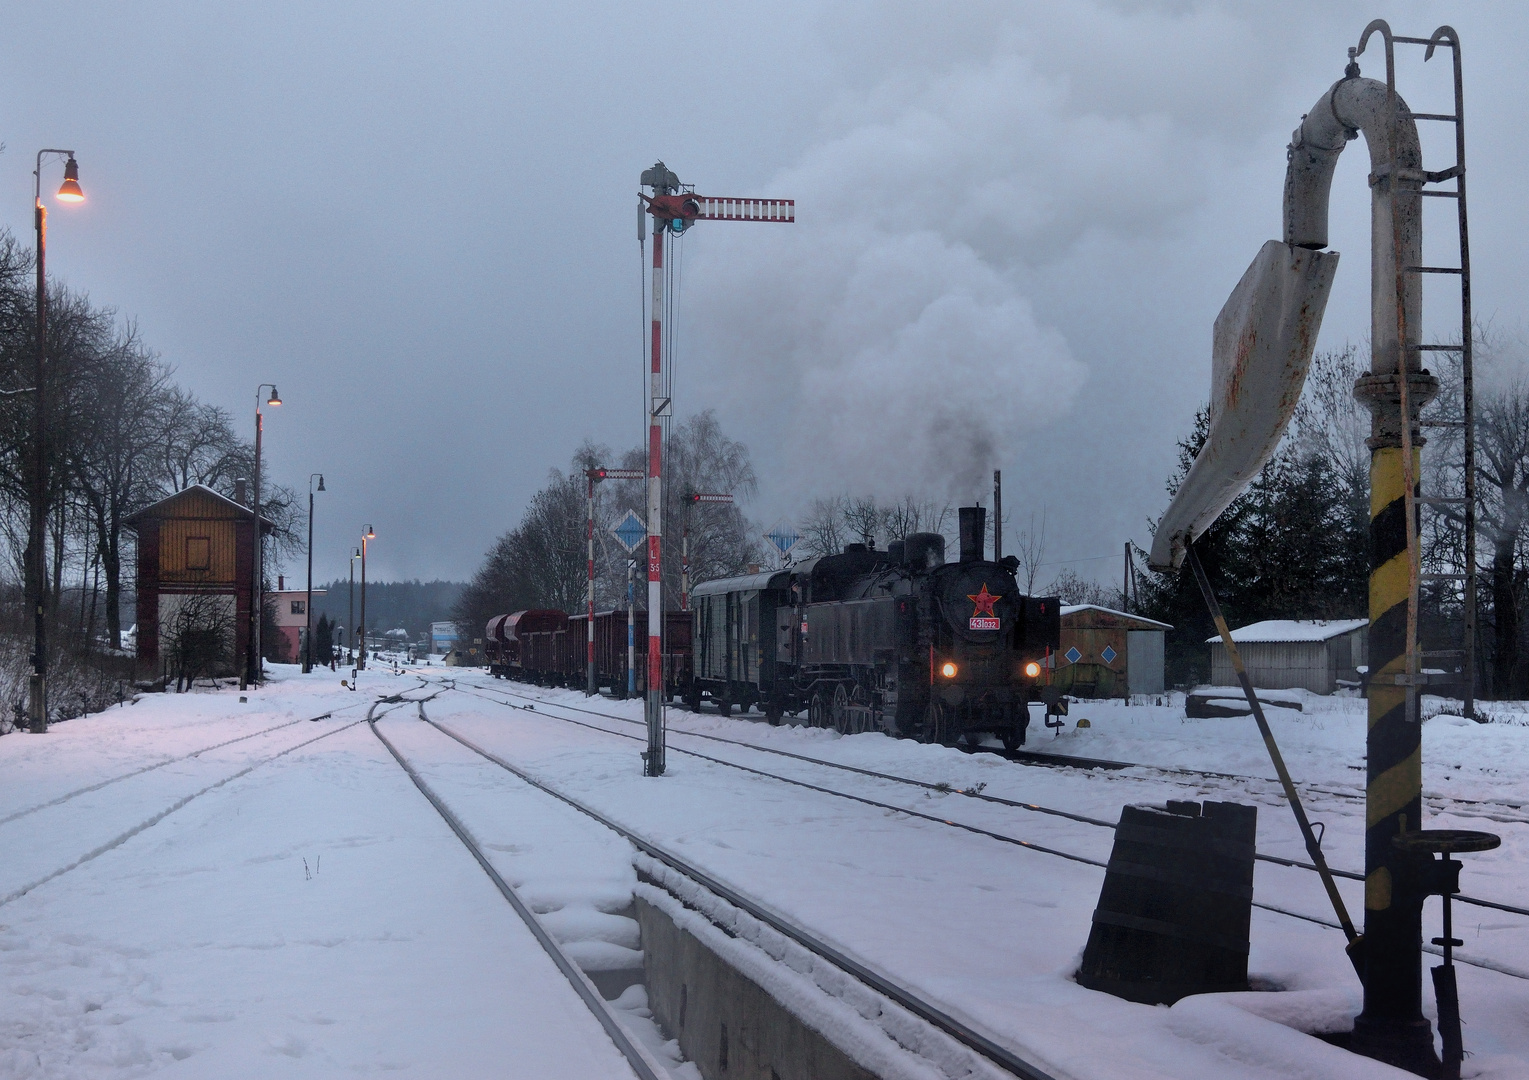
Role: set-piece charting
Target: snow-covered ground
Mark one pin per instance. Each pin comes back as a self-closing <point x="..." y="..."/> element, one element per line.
<point x="311" y="917"/>
<point x="310" y="914"/>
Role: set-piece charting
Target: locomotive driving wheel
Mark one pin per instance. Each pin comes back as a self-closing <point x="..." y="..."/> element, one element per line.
<point x="818" y="709"/>
<point x="864" y="718"/>
<point x="841" y="713"/>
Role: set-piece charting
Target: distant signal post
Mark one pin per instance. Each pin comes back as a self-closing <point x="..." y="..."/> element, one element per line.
<point x="674" y="209"/>
<point x="688" y="502"/>
<point x="594" y="476"/>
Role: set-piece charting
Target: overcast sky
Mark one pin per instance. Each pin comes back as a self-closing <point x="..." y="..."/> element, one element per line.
<point x="1015" y="225"/>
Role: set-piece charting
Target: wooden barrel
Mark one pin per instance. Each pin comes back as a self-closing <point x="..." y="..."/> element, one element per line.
<point x="1176" y="904"/>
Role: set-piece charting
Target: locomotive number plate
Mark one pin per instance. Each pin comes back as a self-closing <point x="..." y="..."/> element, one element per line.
<point x="977" y="622"/>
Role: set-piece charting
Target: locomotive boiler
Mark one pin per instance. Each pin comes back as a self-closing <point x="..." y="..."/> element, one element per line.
<point x="899" y="641"/>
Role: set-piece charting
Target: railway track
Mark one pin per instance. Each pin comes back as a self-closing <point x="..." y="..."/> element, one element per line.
<point x="60" y="800"/>
<point x="1492" y="809"/>
<point x="983" y="1044"/>
<point x="154" y="819"/>
<point x="971" y="794"/>
<point x="1272" y="788"/>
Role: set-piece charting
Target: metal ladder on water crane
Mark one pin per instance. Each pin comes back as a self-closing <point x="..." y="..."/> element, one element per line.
<point x="1462" y="507"/>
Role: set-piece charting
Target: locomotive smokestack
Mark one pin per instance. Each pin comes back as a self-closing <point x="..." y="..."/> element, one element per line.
<point x="973" y="533"/>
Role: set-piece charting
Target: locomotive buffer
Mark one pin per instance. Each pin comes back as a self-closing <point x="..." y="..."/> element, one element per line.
<point x="674" y="209"/>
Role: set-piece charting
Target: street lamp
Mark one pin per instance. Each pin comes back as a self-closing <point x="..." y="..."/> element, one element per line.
<point x="36" y="553"/>
<point x="308" y="602"/>
<point x="350" y="627"/>
<point x="368" y="535"/>
<point x="257" y="592"/>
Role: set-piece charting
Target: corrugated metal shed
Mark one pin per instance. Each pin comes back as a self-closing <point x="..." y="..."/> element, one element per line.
<point x="1109" y="653"/>
<point x="1281" y="654"/>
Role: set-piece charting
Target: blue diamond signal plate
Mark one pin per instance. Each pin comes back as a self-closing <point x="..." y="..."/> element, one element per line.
<point x="1073" y="655"/>
<point x="1108" y="655"/>
<point x="630" y="531"/>
<point x="784" y="538"/>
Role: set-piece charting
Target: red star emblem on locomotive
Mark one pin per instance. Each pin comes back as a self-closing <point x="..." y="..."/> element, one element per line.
<point x="984" y="601"/>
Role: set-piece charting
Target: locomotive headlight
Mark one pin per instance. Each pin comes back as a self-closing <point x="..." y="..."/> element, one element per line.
<point x="1033" y="670"/>
<point x="948" y="670"/>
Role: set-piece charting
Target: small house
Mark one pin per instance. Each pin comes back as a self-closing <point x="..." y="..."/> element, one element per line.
<point x="196" y="570"/>
<point x="1319" y="655"/>
<point x="290" y="609"/>
<point x="1108" y="653"/>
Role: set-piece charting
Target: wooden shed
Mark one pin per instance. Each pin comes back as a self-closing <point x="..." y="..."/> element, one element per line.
<point x="1282" y="654"/>
<point x="1108" y="653"/>
<point x="196" y="559"/>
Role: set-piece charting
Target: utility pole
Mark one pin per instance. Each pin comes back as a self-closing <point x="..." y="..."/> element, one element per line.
<point x="365" y="537"/>
<point x="687" y="501"/>
<point x="308" y="597"/>
<point x="593" y="476"/>
<point x="674" y="210"/>
<point x="350" y="627"/>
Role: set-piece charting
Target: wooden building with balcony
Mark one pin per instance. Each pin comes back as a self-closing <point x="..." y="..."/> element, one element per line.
<point x="196" y="568"/>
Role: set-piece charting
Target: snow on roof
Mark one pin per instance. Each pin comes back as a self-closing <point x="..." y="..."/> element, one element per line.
<point x="1271" y="630"/>
<point x="1068" y="609"/>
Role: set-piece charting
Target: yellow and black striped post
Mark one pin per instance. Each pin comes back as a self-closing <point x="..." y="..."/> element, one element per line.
<point x="1392" y="1027"/>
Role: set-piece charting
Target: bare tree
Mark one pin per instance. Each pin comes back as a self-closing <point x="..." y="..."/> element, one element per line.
<point x="911" y="514"/>
<point x="1502" y="441"/>
<point x="1030" y="549"/>
<point x="198" y="635"/>
<point x="864" y="520"/>
<point x="823" y="527"/>
<point x="199" y="446"/>
<point x="1072" y="589"/>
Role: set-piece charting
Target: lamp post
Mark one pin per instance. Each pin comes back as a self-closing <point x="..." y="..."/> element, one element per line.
<point x="37" y="526"/>
<point x="308" y="600"/>
<point x="361" y="629"/>
<point x="257" y="588"/>
<point x="350" y="625"/>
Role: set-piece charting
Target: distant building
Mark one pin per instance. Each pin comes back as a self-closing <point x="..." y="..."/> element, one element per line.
<point x="196" y="562"/>
<point x="443" y="637"/>
<point x="1108" y="653"/>
<point x="1281" y="654"/>
<point x="291" y="610"/>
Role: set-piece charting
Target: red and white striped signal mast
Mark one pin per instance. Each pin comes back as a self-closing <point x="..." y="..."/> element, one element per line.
<point x="674" y="210"/>
<point x="687" y="502"/>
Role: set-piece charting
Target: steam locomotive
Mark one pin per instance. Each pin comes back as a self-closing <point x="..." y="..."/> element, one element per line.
<point x="896" y="640"/>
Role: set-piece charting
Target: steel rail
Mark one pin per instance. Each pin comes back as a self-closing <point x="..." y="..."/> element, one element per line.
<point x="1063" y="761"/>
<point x="623" y="1041"/>
<point x="124" y="837"/>
<point x="932" y="1014"/>
<point x="892" y="777"/>
<point x="161" y="764"/>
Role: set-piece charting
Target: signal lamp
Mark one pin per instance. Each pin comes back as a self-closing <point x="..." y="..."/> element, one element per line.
<point x="1032" y="669"/>
<point x="948" y="670"/>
